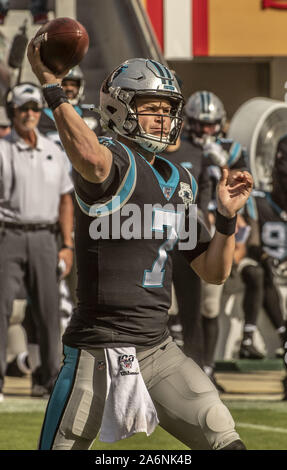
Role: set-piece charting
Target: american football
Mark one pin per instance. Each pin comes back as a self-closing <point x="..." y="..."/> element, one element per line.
<point x="64" y="43"/>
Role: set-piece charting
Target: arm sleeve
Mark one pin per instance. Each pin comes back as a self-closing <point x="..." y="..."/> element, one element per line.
<point x="100" y="192"/>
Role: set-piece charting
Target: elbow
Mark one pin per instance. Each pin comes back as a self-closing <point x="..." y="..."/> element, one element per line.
<point x="218" y="279"/>
<point x="217" y="282"/>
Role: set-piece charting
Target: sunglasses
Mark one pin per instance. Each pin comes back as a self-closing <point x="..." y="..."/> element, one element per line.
<point x="33" y="107"/>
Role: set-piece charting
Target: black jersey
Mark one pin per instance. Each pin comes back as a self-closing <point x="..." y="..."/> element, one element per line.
<point x="237" y="160"/>
<point x="269" y="227"/>
<point x="190" y="156"/>
<point x="125" y="231"/>
<point x="237" y="155"/>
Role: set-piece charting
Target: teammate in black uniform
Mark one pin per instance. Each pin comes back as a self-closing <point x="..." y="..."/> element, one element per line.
<point x="267" y="216"/>
<point x="185" y="326"/>
<point x="204" y="150"/>
<point x="74" y="86"/>
<point x="124" y="268"/>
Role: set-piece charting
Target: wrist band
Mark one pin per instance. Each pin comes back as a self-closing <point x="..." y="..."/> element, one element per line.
<point x="69" y="247"/>
<point x="54" y="95"/>
<point x="51" y="85"/>
<point x="224" y="225"/>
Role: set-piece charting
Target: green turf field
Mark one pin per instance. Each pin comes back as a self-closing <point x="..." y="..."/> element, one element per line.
<point x="262" y="426"/>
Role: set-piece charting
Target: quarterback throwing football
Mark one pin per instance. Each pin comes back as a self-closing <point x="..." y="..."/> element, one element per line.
<point x="118" y="333"/>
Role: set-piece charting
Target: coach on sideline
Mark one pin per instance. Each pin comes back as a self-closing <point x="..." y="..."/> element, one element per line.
<point x="35" y="200"/>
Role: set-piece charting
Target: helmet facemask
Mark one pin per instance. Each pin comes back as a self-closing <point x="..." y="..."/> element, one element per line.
<point x="169" y="125"/>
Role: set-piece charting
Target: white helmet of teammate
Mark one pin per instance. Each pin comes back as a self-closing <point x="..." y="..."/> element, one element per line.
<point x="137" y="78"/>
<point x="204" y="107"/>
<point x="76" y="74"/>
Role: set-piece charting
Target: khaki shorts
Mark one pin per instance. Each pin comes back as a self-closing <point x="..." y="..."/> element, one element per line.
<point x="187" y="403"/>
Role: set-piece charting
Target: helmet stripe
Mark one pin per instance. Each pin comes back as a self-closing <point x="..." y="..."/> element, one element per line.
<point x="163" y="71"/>
<point x="205" y="101"/>
<point x="202" y="102"/>
<point x="169" y="75"/>
<point x="159" y="70"/>
<point x="208" y="99"/>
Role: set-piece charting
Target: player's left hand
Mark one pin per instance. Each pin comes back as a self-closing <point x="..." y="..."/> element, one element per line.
<point x="233" y="190"/>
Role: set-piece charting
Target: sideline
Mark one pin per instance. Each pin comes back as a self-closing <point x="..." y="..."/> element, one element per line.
<point x="260" y="427"/>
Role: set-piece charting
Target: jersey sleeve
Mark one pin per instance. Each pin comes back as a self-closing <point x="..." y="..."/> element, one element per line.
<point x="88" y="193"/>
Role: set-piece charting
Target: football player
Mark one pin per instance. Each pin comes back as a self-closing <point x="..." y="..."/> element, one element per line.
<point x="124" y="281"/>
<point x="204" y="150"/>
<point x="185" y="325"/>
<point x="266" y="213"/>
<point x="74" y="86"/>
<point x="205" y="124"/>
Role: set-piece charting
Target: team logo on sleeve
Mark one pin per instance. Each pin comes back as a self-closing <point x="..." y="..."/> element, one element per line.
<point x="185" y="193"/>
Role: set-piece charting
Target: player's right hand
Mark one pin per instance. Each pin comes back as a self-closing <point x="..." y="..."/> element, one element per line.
<point x="42" y="72"/>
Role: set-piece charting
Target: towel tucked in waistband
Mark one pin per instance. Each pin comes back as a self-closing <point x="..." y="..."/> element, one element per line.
<point x="128" y="408"/>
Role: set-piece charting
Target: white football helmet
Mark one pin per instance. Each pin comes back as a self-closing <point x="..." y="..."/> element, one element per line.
<point x="140" y="78"/>
<point x="204" y="107"/>
<point x="77" y="75"/>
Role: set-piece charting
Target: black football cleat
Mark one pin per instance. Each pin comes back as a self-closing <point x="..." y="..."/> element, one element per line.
<point x="249" y="352"/>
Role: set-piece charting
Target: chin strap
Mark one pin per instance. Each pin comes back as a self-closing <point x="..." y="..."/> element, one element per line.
<point x="151" y="145"/>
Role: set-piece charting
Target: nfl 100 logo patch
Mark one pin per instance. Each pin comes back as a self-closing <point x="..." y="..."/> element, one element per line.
<point x="128" y="364"/>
